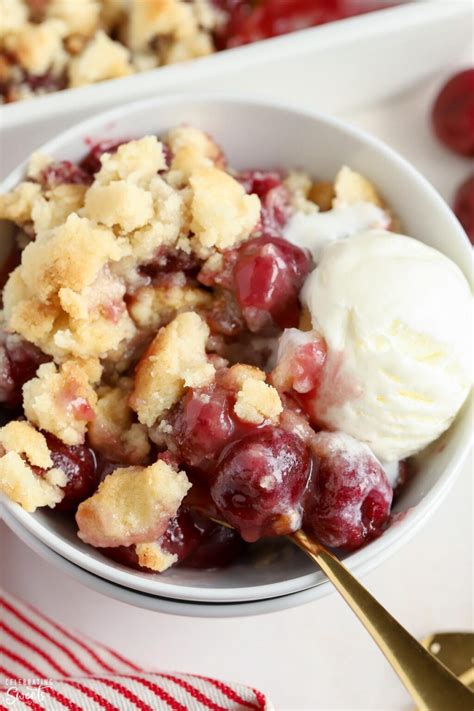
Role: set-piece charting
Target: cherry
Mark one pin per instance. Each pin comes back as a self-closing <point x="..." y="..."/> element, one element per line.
<point x="464" y="206"/>
<point x="9" y="263"/>
<point x="348" y="502"/>
<point x="453" y="113"/>
<point x="300" y="367"/>
<point x="260" y="481"/>
<point x="19" y="361"/>
<point x="203" y="424"/>
<point x="91" y="162"/>
<point x="249" y="22"/>
<point x="274" y="197"/>
<point x="64" y="173"/>
<point x="268" y="276"/>
<point x="79" y="464"/>
<point x="219" y="548"/>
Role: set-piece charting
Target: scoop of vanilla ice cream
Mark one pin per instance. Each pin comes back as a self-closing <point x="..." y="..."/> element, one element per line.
<point x="397" y="319"/>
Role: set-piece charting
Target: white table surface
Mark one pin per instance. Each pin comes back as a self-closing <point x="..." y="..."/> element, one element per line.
<point x="316" y="657"/>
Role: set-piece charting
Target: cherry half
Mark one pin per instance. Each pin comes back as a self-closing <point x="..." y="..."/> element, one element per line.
<point x="453" y="113"/>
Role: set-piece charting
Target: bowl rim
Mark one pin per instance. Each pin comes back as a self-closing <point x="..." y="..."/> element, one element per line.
<point x="360" y="561"/>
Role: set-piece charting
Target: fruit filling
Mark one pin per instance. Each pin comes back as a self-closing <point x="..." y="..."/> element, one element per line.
<point x="179" y="373"/>
<point x="50" y="45"/>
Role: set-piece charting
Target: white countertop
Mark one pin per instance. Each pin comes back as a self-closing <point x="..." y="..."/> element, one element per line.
<point x="316" y="657"/>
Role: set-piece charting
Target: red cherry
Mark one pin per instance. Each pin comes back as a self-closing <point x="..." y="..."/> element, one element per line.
<point x="274" y="197"/>
<point x="348" y="502"/>
<point x="203" y="424"/>
<point x="268" y="276"/>
<point x="260" y="481"/>
<point x="464" y="206"/>
<point x="19" y="361"/>
<point x="80" y="466"/>
<point x="249" y="22"/>
<point x="219" y="548"/>
<point x="453" y="113"/>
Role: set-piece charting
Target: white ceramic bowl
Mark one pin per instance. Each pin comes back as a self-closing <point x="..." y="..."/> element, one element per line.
<point x="265" y="134"/>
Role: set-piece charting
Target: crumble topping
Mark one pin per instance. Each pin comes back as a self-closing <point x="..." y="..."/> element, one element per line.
<point x="80" y="18"/>
<point x="113" y="432"/>
<point x="61" y="401"/>
<point x="132" y="505"/>
<point x="175" y="360"/>
<point x="222" y="213"/>
<point x="102" y="58"/>
<point x="153" y="556"/>
<point x="63" y="297"/>
<point x="351" y="187"/>
<point x="23" y="448"/>
<point x="256" y="400"/>
<point x="38" y="48"/>
<point x="154" y="306"/>
<point x="17" y="205"/>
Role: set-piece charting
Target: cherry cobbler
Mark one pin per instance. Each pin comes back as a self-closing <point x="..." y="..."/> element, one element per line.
<point x="49" y="45"/>
<point x="143" y="389"/>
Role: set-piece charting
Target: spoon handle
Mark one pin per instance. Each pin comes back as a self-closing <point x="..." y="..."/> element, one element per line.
<point x="431" y="685"/>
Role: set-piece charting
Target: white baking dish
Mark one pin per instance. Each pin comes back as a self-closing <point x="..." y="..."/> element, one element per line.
<point x="336" y="66"/>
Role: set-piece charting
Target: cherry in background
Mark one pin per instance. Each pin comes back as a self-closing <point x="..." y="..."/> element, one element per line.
<point x="463" y="206"/>
<point x="453" y="114"/>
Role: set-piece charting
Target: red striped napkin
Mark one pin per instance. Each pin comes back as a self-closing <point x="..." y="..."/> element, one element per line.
<point x="45" y="667"/>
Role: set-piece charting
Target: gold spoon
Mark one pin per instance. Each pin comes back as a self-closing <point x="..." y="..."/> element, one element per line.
<point x="431" y="685"/>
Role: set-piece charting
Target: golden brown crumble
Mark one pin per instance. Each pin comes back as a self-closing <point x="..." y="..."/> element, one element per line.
<point x="153" y="556"/>
<point x="132" y="505"/>
<point x="22" y="448"/>
<point x="61" y="401"/>
<point x="175" y="360"/>
<point x="222" y="214"/>
<point x="113" y="432"/>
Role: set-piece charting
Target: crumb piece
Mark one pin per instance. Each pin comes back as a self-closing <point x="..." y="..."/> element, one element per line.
<point x="102" y="59"/>
<point x="136" y="161"/>
<point x="17" y="204"/>
<point x="197" y="45"/>
<point x="79" y="17"/>
<point x="322" y="194"/>
<point x="13" y="16"/>
<point x="155" y="306"/>
<point x="153" y="556"/>
<point x="113" y="432"/>
<point x="351" y="187"/>
<point x="222" y="213"/>
<point x="132" y="505"/>
<point x="64" y="298"/>
<point x="120" y="203"/>
<point x="37" y="163"/>
<point x="38" y="48"/>
<point x="53" y="208"/>
<point x="71" y="257"/>
<point x="21" y="437"/>
<point x="299" y="185"/>
<point x="24" y="448"/>
<point x="149" y="19"/>
<point x="257" y="401"/>
<point x="176" y="359"/>
<point x="191" y="149"/>
<point x="236" y="376"/>
<point x="60" y="401"/>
